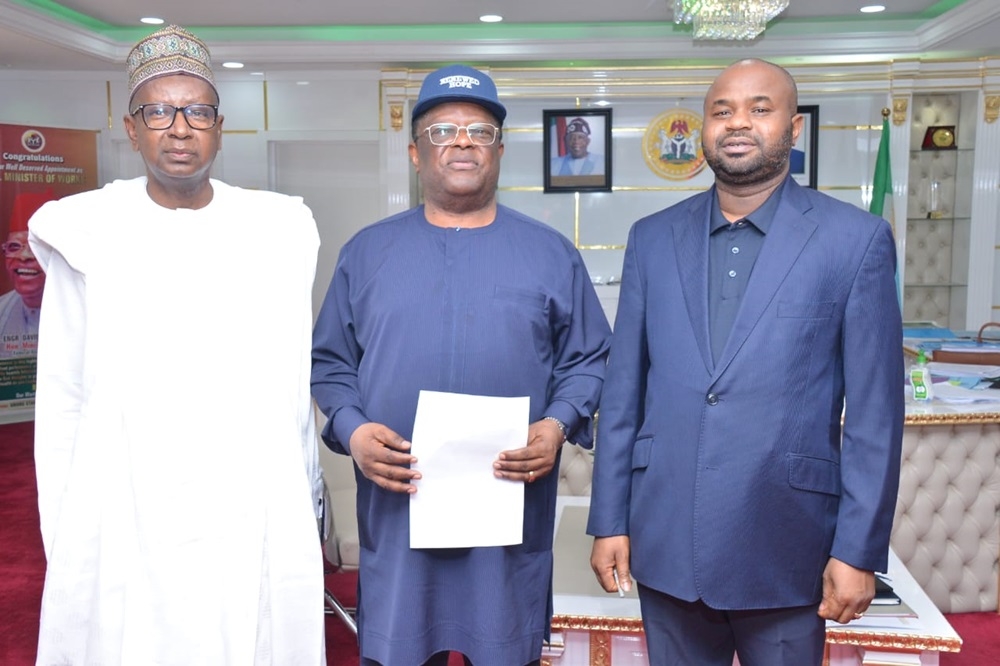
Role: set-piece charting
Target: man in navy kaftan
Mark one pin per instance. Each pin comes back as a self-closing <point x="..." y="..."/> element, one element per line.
<point x="465" y="296"/>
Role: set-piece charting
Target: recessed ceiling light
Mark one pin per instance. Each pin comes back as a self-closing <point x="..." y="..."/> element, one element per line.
<point x="872" y="9"/>
<point x="301" y="83"/>
<point x="233" y="65"/>
<point x="490" y="18"/>
<point x="256" y="73"/>
<point x="602" y="102"/>
<point x="151" y="20"/>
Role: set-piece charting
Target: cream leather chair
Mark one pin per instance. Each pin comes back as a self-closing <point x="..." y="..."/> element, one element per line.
<point x="575" y="470"/>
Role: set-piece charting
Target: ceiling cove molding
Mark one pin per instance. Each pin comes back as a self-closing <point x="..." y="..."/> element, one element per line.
<point x="953" y="24"/>
<point x="614" y="43"/>
<point x="862" y="46"/>
<point x="40" y="26"/>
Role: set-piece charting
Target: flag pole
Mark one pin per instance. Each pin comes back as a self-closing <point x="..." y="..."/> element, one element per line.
<point x="882" y="188"/>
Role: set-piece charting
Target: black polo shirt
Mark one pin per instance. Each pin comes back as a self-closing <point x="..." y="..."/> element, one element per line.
<point x="733" y="248"/>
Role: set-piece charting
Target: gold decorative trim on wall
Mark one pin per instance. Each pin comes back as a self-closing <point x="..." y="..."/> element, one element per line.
<point x="266" y="117"/>
<point x="899" y="108"/>
<point x="991" y="108"/>
<point x="859" y="128"/>
<point x="107" y="87"/>
<point x="396" y="116"/>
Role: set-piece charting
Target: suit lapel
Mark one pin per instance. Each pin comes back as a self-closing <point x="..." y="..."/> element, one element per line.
<point x="691" y="248"/>
<point x="788" y="235"/>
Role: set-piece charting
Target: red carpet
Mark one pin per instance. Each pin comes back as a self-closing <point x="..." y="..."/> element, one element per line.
<point x="22" y="563"/>
<point x="981" y="635"/>
<point x="22" y="567"/>
<point x="341" y="644"/>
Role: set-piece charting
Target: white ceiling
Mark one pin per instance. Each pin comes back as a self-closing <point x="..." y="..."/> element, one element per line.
<point x="310" y="34"/>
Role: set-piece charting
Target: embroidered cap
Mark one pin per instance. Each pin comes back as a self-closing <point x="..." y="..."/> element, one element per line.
<point x="578" y="125"/>
<point x="458" y="83"/>
<point x="25" y="205"/>
<point x="170" y="50"/>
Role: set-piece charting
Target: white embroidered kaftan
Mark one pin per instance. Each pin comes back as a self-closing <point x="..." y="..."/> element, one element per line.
<point x="175" y="447"/>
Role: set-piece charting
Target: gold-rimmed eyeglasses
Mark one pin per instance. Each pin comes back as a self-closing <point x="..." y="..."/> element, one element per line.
<point x="446" y="134"/>
<point x="162" y="116"/>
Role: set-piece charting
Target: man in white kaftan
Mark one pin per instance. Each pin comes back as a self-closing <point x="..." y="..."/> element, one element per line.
<point x="176" y="457"/>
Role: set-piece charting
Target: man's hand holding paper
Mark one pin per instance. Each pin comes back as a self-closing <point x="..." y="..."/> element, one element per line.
<point x="383" y="456"/>
<point x="532" y="462"/>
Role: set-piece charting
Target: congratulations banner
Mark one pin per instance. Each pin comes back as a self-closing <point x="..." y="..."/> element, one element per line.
<point x="37" y="164"/>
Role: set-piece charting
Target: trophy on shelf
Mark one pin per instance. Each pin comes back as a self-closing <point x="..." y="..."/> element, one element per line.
<point x="934" y="211"/>
<point x="939" y="137"/>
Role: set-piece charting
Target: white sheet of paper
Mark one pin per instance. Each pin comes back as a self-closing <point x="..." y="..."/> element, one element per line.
<point x="456" y="439"/>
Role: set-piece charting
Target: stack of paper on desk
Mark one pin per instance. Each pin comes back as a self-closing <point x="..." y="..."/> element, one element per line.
<point x="945" y="392"/>
<point x="884" y="594"/>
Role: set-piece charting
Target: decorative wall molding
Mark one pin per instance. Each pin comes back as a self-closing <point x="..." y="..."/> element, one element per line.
<point x="991" y="108"/>
<point x="900" y="106"/>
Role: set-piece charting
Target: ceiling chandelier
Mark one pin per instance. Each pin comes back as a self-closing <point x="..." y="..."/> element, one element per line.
<point x="727" y="19"/>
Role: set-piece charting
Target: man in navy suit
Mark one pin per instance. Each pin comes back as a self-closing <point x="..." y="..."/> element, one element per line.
<point x="730" y="481"/>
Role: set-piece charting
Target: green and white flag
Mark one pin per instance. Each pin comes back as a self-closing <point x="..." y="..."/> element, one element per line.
<point x="881" y="203"/>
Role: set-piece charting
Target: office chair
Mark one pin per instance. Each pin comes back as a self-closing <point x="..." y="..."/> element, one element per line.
<point x="339" y="521"/>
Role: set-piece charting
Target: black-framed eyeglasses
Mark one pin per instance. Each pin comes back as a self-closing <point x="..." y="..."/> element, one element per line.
<point x="12" y="248"/>
<point x="446" y="134"/>
<point x="162" y="116"/>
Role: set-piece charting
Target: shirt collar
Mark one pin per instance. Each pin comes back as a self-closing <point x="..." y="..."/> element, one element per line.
<point x="760" y="218"/>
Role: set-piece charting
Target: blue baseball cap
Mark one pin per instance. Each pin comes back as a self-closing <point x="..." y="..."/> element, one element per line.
<point x="458" y="83"/>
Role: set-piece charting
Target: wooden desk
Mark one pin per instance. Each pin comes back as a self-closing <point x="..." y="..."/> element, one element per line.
<point x="593" y="628"/>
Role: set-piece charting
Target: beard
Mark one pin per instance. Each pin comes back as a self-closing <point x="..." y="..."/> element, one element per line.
<point x="749" y="169"/>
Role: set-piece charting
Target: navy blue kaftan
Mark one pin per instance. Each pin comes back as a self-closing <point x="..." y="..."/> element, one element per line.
<point x="503" y="310"/>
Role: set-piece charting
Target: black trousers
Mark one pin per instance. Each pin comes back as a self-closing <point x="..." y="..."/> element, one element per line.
<point x="683" y="633"/>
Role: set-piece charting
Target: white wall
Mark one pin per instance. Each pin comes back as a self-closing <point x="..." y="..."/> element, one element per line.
<point x="329" y="140"/>
<point x="339" y="181"/>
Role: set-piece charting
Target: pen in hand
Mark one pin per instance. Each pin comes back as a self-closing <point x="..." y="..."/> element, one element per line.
<point x="621" y="592"/>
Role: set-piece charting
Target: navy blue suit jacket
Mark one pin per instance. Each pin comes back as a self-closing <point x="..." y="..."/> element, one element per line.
<point x="736" y="481"/>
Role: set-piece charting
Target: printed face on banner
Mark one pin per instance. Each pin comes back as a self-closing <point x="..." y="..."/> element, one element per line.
<point x="23" y="269"/>
<point x="38" y="165"/>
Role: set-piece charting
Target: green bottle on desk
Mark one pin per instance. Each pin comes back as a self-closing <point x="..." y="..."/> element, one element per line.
<point x="920" y="379"/>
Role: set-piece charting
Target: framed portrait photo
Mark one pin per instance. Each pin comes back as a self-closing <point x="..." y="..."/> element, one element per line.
<point x="577" y="150"/>
<point x="804" y="152"/>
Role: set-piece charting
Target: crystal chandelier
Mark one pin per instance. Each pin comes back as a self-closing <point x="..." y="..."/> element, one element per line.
<point x="727" y="19"/>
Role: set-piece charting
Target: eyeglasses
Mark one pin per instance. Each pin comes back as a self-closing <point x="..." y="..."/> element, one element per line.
<point x="12" y="248"/>
<point x="162" y="116"/>
<point x="446" y="134"/>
